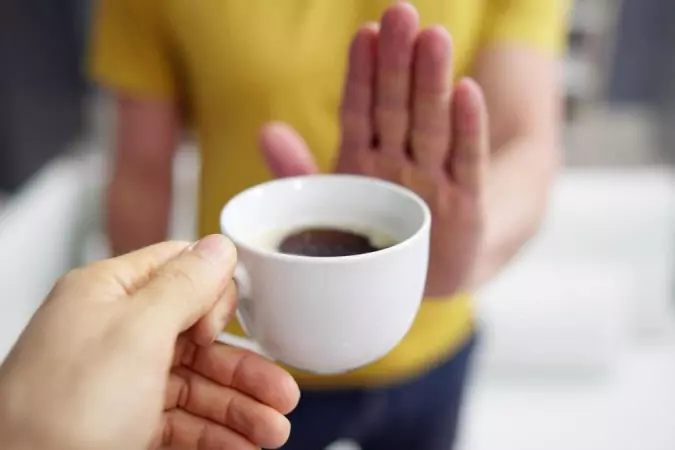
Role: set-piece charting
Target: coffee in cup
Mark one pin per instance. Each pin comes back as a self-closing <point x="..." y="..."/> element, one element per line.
<point x="325" y="241"/>
<point x="332" y="268"/>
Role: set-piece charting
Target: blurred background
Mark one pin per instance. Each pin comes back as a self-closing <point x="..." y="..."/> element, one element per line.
<point x="578" y="345"/>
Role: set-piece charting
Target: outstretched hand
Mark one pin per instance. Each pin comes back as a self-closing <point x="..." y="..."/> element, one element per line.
<point x="403" y="121"/>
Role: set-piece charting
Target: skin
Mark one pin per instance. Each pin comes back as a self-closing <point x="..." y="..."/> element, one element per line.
<point x="140" y="191"/>
<point x="120" y="356"/>
<point x="482" y="152"/>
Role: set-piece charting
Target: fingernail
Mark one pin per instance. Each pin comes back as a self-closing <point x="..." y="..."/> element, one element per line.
<point x="214" y="248"/>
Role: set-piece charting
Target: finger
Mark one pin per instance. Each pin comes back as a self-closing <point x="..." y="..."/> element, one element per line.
<point x="125" y="274"/>
<point x="183" y="431"/>
<point x="200" y="396"/>
<point x="244" y="371"/>
<point x="205" y="331"/>
<point x="357" y="98"/>
<point x="469" y="156"/>
<point x="394" y="61"/>
<point x="285" y="152"/>
<point x="430" y="133"/>
<point x="188" y="286"/>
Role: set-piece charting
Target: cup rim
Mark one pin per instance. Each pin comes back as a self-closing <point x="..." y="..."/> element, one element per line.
<point x="270" y="254"/>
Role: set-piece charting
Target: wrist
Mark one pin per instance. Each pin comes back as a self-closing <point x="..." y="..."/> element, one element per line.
<point x="9" y="437"/>
<point x="29" y="438"/>
<point x="20" y="428"/>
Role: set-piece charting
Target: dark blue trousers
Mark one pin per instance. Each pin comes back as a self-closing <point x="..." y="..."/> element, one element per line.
<point x="421" y="414"/>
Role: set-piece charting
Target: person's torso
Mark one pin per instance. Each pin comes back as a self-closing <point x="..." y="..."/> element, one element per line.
<point x="247" y="63"/>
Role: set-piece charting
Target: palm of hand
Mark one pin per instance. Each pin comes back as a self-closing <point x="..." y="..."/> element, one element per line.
<point x="403" y="122"/>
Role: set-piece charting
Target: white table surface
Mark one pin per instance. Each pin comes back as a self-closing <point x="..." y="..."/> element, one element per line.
<point x="632" y="410"/>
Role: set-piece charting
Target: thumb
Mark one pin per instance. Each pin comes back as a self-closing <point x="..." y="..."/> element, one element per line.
<point x="285" y="152"/>
<point x="187" y="287"/>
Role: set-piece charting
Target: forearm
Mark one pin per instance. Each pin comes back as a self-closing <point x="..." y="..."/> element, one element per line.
<point x="138" y="210"/>
<point x="517" y="189"/>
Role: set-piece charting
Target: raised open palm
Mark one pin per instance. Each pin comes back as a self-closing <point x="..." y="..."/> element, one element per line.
<point x="403" y="121"/>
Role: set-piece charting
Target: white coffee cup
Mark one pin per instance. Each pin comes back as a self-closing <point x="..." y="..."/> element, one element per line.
<point x="327" y="315"/>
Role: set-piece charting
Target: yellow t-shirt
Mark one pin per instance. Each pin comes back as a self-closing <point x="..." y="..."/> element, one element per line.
<point x="238" y="64"/>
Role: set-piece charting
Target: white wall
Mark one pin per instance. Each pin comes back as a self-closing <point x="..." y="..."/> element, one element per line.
<point x="39" y="230"/>
<point x="578" y="349"/>
<point x="600" y="272"/>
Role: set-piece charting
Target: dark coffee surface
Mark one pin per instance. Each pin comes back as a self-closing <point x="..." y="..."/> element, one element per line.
<point x="324" y="242"/>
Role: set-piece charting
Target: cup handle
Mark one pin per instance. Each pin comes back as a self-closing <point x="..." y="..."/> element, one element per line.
<point x="242" y="279"/>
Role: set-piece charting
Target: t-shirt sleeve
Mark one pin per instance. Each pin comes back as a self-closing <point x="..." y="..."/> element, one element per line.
<point x="129" y="48"/>
<point x="540" y="24"/>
